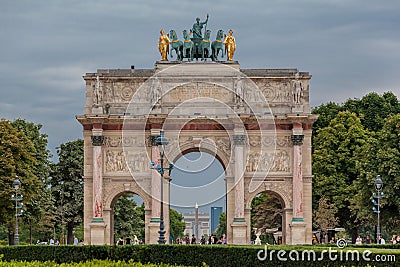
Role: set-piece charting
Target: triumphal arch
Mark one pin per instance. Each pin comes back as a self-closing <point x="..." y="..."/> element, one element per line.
<point x="256" y="122"/>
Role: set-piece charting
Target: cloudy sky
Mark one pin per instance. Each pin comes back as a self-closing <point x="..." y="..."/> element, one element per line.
<point x="350" y="47"/>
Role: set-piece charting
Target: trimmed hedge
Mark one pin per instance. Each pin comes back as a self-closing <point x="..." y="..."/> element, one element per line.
<point x="94" y="263"/>
<point x="188" y="255"/>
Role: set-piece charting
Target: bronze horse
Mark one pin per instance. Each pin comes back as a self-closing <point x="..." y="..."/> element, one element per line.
<point x="176" y="45"/>
<point x="217" y="46"/>
<point x="188" y="46"/>
<point x="205" y="46"/>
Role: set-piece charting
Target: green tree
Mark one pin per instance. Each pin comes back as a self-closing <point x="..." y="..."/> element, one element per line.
<point x="324" y="217"/>
<point x="67" y="186"/>
<point x="39" y="210"/>
<point x="326" y="112"/>
<point x="266" y="212"/>
<point x="381" y="156"/>
<point x="177" y="225"/>
<point x="17" y="158"/>
<point x="128" y="218"/>
<point x="373" y="109"/>
<point x="222" y="225"/>
<point x="337" y="150"/>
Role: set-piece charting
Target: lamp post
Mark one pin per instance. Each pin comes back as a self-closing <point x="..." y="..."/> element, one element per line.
<point x="161" y="141"/>
<point x="378" y="184"/>
<point x="17" y="197"/>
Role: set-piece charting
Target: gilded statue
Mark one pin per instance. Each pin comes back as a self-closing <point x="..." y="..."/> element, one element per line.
<point x="163" y="45"/>
<point x="230" y="45"/>
<point x="197" y="43"/>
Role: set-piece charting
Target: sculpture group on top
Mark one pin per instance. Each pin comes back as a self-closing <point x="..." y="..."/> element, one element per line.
<point x="194" y="45"/>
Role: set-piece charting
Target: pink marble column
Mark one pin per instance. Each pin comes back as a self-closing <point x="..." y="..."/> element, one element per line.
<point x="297" y="140"/>
<point x="239" y="141"/>
<point x="155" y="180"/>
<point x="97" y="142"/>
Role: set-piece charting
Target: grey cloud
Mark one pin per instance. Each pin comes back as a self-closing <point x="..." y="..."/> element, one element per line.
<point x="350" y="47"/>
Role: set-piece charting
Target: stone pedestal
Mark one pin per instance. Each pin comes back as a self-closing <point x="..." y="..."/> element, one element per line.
<point x="154" y="227"/>
<point x="239" y="232"/>
<point x="298" y="109"/>
<point x="298" y="232"/>
<point x="97" y="233"/>
<point x="97" y="110"/>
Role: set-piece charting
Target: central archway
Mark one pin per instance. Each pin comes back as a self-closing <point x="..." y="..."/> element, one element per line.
<point x="198" y="186"/>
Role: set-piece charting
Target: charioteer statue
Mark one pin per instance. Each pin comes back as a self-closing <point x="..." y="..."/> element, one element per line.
<point x="197" y="46"/>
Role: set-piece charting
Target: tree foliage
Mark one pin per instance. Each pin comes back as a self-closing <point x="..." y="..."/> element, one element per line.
<point x="39" y="210"/>
<point x="266" y="212"/>
<point x="177" y="225"/>
<point x="324" y="216"/>
<point x="67" y="185"/>
<point x="352" y="143"/>
<point x="222" y="225"/>
<point x="336" y="156"/>
<point x="17" y="158"/>
<point x="128" y="218"/>
<point x="373" y="109"/>
<point x="381" y="156"/>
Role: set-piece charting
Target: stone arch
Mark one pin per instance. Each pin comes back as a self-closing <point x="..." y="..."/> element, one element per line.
<point x="280" y="189"/>
<point x="113" y="191"/>
<point x="188" y="147"/>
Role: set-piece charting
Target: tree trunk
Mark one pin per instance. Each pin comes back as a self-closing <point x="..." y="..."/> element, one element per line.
<point x="70" y="233"/>
<point x="10" y="234"/>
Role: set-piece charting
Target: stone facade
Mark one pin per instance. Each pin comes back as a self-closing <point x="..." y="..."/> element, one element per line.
<point x="256" y="122"/>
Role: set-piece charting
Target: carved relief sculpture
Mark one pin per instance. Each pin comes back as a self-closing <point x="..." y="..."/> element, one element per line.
<point x="97" y="92"/>
<point x="297" y="90"/>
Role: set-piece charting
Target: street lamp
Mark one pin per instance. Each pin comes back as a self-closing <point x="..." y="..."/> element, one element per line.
<point x="17" y="197"/>
<point x="161" y="141"/>
<point x="378" y="184"/>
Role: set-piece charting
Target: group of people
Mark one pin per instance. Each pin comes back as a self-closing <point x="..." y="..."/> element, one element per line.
<point x="129" y="241"/>
<point x="381" y="240"/>
<point x="212" y="239"/>
<point x="395" y="239"/>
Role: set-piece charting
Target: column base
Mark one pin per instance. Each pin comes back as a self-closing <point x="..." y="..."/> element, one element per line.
<point x="298" y="229"/>
<point x="97" y="232"/>
<point x="239" y="232"/>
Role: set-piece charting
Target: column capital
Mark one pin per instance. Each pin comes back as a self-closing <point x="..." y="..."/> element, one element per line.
<point x="297" y="139"/>
<point x="97" y="140"/>
<point x="239" y="139"/>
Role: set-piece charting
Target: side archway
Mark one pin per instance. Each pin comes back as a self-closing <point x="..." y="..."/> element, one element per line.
<point x="280" y="190"/>
<point x="113" y="191"/>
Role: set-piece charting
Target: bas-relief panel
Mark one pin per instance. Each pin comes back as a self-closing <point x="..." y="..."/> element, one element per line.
<point x="117" y="161"/>
<point x="118" y="91"/>
<point x="273" y="161"/>
<point x="281" y="91"/>
<point x="125" y="153"/>
<point x="269" y="153"/>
